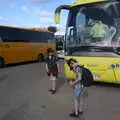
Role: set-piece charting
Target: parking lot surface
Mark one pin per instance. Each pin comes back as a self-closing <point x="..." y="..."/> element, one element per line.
<point x="24" y="96"/>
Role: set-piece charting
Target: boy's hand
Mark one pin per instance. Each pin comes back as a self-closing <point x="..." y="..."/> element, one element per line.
<point x="71" y="83"/>
<point x="48" y="73"/>
<point x="47" y="70"/>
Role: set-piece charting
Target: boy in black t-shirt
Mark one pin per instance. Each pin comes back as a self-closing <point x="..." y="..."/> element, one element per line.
<point x="52" y="69"/>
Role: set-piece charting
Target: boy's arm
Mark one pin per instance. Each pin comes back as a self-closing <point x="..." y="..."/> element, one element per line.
<point x="56" y="58"/>
<point x="58" y="67"/>
<point x="46" y="66"/>
<point x="77" y="79"/>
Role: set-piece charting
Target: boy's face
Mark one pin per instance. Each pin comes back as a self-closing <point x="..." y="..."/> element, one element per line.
<point x="50" y="53"/>
<point x="72" y="64"/>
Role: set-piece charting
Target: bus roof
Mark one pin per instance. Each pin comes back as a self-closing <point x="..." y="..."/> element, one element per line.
<point x="30" y="29"/>
<point x="81" y="2"/>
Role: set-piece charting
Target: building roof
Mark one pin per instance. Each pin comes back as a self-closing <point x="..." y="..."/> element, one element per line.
<point x="30" y="29"/>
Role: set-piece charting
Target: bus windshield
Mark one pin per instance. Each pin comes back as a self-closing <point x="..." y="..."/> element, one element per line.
<point x="94" y="28"/>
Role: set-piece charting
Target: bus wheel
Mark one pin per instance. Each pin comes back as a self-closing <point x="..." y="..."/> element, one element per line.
<point x="1" y="62"/>
<point x="40" y="58"/>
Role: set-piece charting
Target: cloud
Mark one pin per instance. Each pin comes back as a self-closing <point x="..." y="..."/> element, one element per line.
<point x="3" y="19"/>
<point x="46" y="20"/>
<point x="13" y="19"/>
<point x="36" y="11"/>
<point x="25" y="9"/>
<point x="14" y="25"/>
<point x="43" y="15"/>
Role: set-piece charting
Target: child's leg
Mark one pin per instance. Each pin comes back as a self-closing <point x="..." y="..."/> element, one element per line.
<point x="76" y="106"/>
<point x="50" y="83"/>
<point x="80" y="103"/>
<point x="54" y="79"/>
<point x="54" y="84"/>
<point x="75" y="112"/>
<point x="76" y="102"/>
<point x="81" y="100"/>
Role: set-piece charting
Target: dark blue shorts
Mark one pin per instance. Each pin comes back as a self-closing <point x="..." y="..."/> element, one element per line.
<point x="78" y="91"/>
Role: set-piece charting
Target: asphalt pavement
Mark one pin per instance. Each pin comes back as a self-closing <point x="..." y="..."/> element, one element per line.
<point x="24" y="96"/>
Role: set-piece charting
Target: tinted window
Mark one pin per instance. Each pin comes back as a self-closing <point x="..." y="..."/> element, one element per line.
<point x="17" y="35"/>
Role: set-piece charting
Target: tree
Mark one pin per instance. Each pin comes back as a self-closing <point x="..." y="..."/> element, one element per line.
<point x="52" y="29"/>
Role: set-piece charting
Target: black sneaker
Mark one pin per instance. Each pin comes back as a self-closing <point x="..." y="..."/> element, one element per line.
<point x="50" y="90"/>
<point x="80" y="112"/>
<point x="53" y="91"/>
<point x="74" y="115"/>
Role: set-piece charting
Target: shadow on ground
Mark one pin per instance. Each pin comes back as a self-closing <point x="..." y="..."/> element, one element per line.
<point x="103" y="84"/>
<point x="60" y="82"/>
<point x="19" y="64"/>
<point x="3" y="77"/>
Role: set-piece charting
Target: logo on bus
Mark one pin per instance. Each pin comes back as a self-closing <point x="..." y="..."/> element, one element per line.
<point x="92" y="65"/>
<point x="117" y="65"/>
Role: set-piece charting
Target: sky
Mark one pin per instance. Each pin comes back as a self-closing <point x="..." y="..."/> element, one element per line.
<point x="32" y="13"/>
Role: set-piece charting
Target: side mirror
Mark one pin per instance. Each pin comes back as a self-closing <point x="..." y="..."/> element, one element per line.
<point x="58" y="12"/>
<point x="57" y="18"/>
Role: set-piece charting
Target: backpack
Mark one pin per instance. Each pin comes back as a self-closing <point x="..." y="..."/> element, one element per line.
<point x="87" y="77"/>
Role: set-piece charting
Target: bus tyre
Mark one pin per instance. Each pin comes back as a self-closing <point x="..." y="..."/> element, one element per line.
<point x="40" y="58"/>
<point x="1" y="62"/>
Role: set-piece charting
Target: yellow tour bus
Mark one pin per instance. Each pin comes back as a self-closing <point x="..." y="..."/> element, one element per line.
<point x="93" y="37"/>
<point x="24" y="44"/>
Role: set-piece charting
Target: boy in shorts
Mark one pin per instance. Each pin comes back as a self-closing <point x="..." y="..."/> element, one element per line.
<point x="78" y="88"/>
<point x="52" y="69"/>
